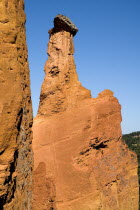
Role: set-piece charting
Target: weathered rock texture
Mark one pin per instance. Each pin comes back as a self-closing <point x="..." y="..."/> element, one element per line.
<point x="15" y="109"/>
<point x="80" y="161"/>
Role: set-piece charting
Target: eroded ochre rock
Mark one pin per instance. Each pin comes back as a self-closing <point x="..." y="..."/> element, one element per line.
<point x="80" y="160"/>
<point x="15" y="109"/>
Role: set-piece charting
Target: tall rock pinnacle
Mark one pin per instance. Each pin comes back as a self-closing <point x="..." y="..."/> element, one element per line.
<point x="15" y="110"/>
<point x="61" y="89"/>
<point x="80" y="160"/>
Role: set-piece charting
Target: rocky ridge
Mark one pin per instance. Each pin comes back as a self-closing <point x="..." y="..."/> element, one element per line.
<point x="80" y="160"/>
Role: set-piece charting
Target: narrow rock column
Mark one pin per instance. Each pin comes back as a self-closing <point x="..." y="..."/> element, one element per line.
<point x="80" y="160"/>
<point x="15" y="109"/>
<point x="61" y="89"/>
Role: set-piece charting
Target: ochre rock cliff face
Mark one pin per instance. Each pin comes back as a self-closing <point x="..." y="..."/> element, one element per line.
<point x="80" y="161"/>
<point x="15" y="109"/>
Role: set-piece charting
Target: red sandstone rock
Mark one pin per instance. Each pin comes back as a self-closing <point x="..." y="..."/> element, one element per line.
<point x="15" y="109"/>
<point x="80" y="160"/>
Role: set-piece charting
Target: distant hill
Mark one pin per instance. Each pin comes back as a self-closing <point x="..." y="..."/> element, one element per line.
<point x="133" y="142"/>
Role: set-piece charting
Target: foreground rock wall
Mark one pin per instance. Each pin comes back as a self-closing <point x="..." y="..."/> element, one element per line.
<point x="15" y="109"/>
<point x="80" y="161"/>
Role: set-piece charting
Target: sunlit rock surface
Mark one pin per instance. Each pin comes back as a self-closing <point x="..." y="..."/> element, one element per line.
<point x="80" y="161"/>
<point x="15" y="109"/>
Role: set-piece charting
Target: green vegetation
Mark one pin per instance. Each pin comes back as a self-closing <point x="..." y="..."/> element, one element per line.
<point x="133" y="142"/>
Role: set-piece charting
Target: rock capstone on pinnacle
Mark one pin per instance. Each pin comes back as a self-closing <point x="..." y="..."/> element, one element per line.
<point x="63" y="23"/>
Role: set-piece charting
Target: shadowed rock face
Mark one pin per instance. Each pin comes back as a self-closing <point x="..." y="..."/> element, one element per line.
<point x="15" y="109"/>
<point x="80" y="161"/>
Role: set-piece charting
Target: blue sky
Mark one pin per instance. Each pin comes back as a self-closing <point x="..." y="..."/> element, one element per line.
<point x="107" y="48"/>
